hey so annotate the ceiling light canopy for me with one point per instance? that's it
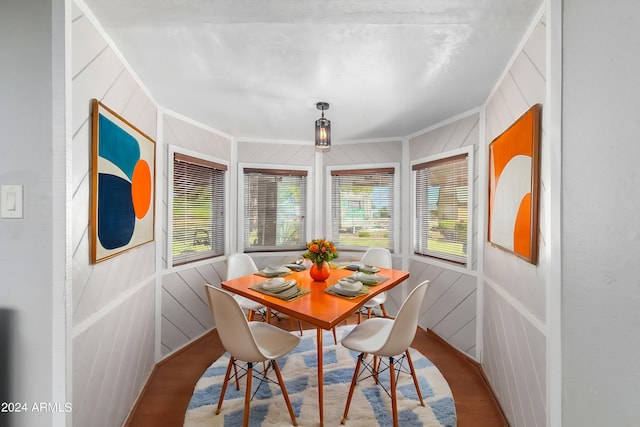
(323, 129)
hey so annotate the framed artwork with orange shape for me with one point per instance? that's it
(514, 187)
(122, 185)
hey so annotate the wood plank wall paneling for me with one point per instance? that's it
(517, 359)
(112, 360)
(451, 298)
(364, 153)
(184, 310)
(514, 352)
(113, 301)
(276, 154)
(195, 138)
(450, 303)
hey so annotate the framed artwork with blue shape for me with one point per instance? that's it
(122, 185)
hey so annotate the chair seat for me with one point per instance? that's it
(247, 303)
(272, 341)
(369, 336)
(377, 300)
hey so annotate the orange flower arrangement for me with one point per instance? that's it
(320, 250)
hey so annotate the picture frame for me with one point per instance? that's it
(122, 185)
(514, 186)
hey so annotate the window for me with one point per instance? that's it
(275, 205)
(197, 209)
(362, 208)
(442, 208)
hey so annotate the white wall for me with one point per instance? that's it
(514, 291)
(601, 201)
(450, 303)
(113, 302)
(184, 311)
(33, 274)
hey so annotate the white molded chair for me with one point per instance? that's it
(378, 257)
(249, 342)
(387, 338)
(239, 265)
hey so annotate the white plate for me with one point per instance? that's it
(277, 284)
(350, 284)
(369, 269)
(367, 278)
(343, 291)
(276, 269)
(290, 292)
(296, 267)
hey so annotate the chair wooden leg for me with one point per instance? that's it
(335, 339)
(224, 384)
(353, 386)
(247, 396)
(384, 312)
(268, 315)
(284, 393)
(376, 367)
(415, 379)
(299, 325)
(369, 310)
(394, 403)
(359, 316)
(250, 315)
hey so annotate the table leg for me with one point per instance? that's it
(320, 376)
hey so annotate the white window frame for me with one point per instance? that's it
(172, 149)
(468, 150)
(241, 207)
(396, 201)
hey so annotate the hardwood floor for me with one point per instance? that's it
(164, 400)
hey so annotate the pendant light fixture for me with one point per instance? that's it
(323, 129)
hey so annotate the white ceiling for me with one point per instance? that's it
(256, 68)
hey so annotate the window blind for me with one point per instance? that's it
(442, 208)
(275, 208)
(362, 208)
(198, 209)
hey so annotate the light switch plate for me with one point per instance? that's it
(11, 201)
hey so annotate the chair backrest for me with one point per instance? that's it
(379, 257)
(239, 265)
(232, 325)
(404, 326)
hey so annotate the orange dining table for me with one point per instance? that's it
(317, 307)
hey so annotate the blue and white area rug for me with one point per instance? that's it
(370, 406)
